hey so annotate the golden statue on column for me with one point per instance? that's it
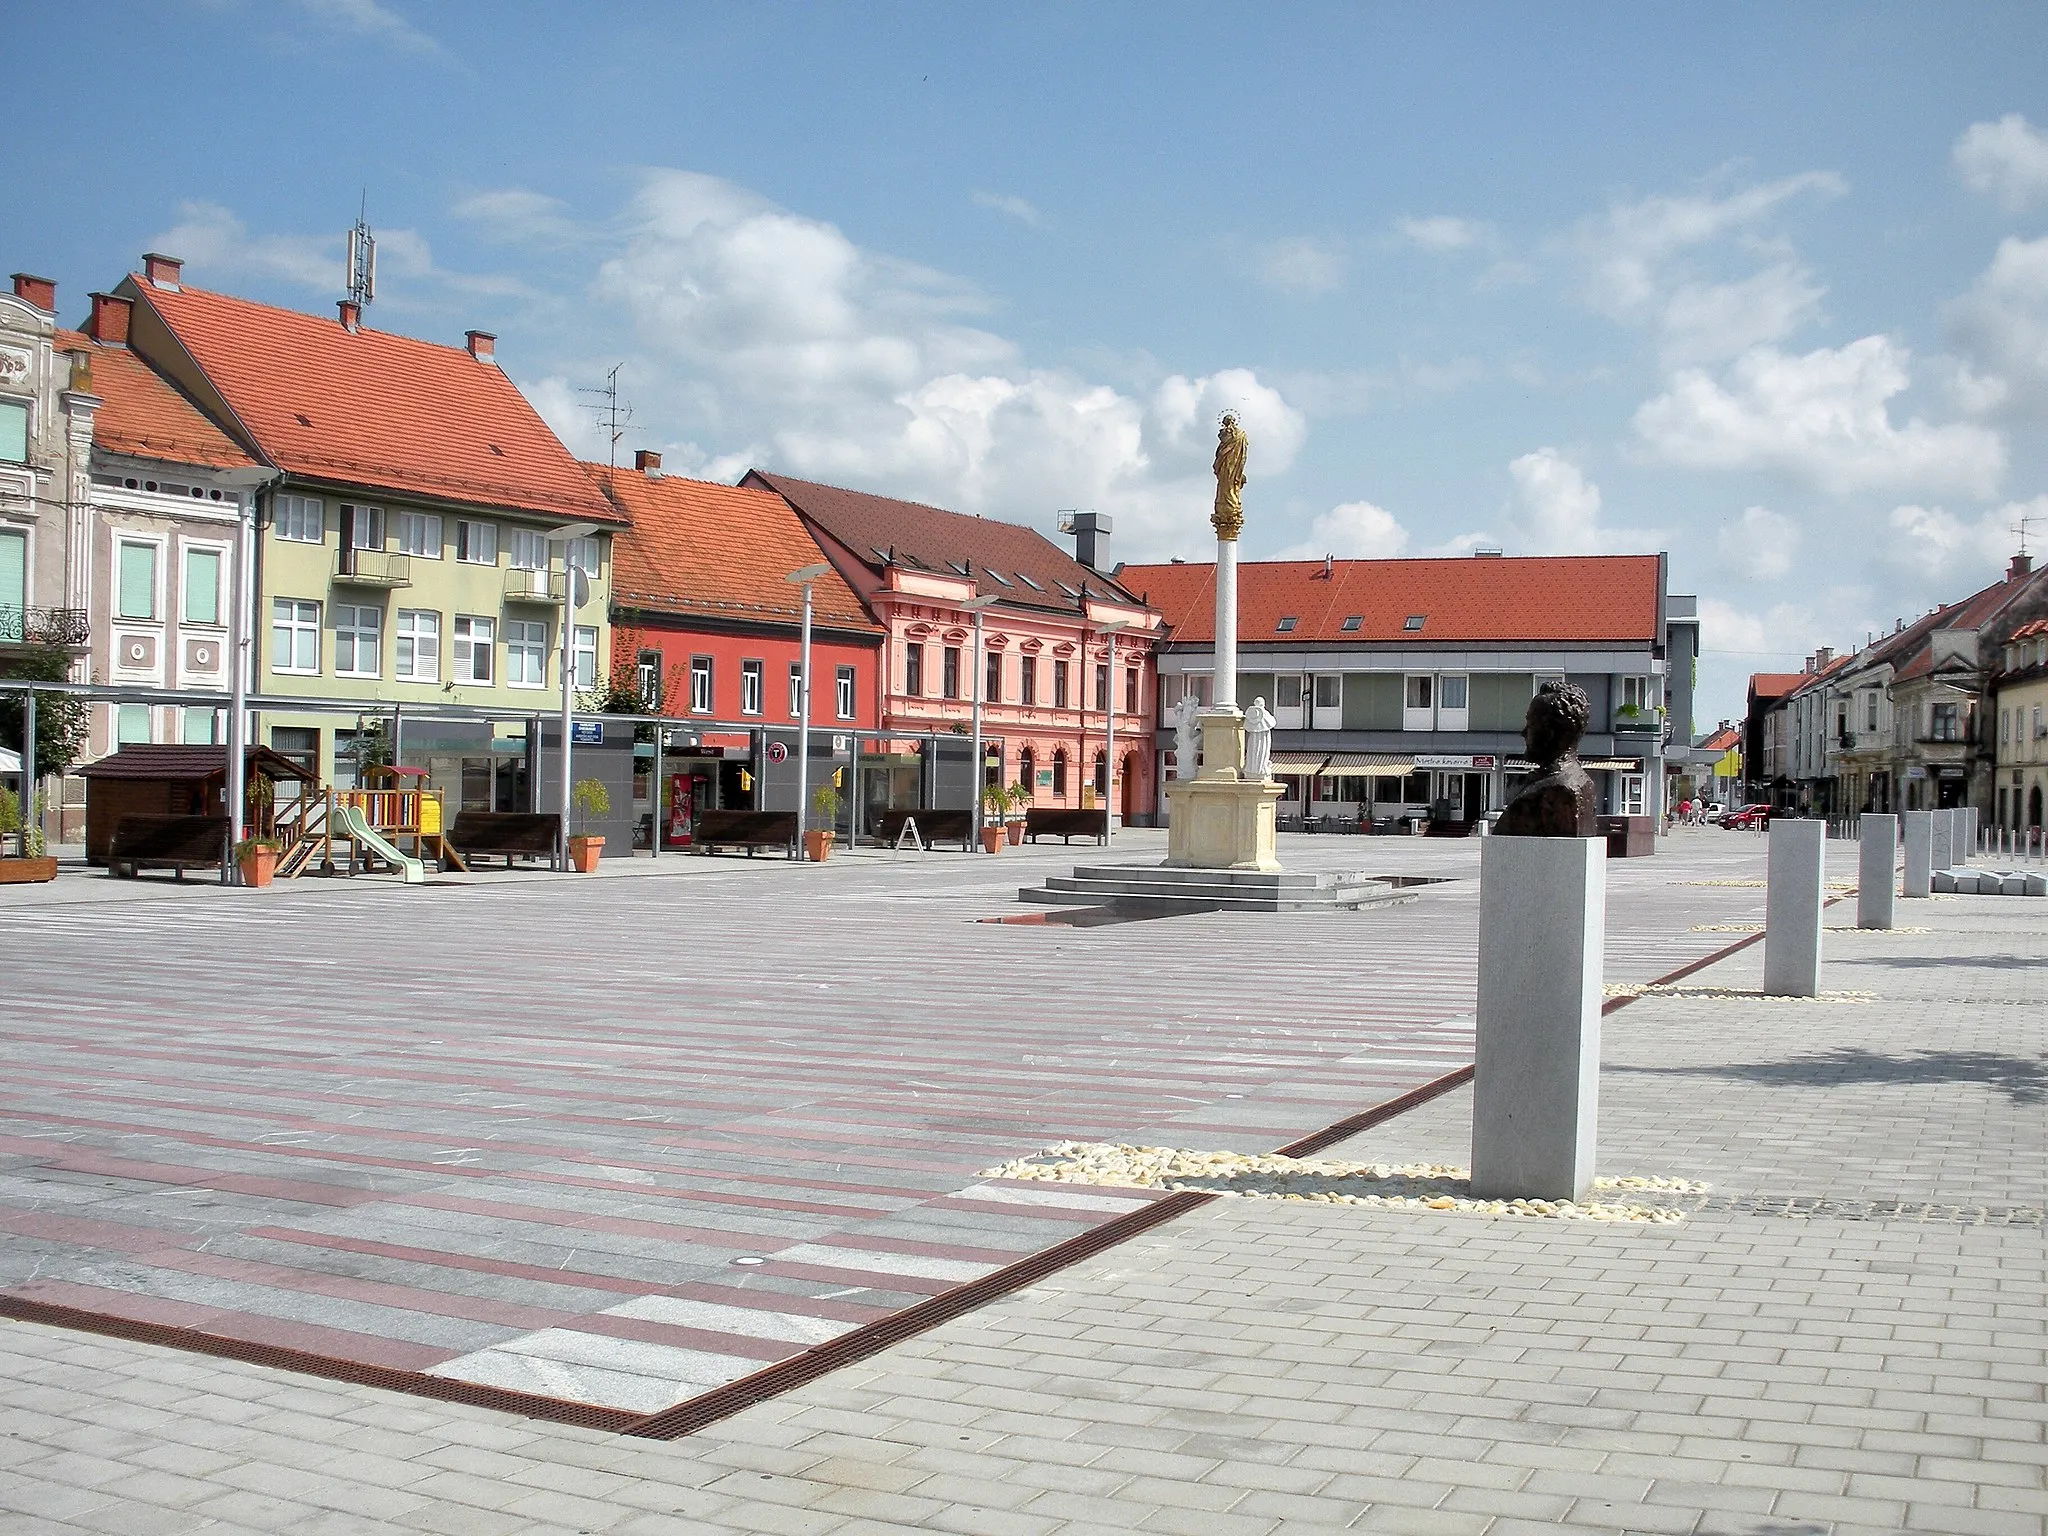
(1232, 448)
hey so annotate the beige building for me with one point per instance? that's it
(2020, 691)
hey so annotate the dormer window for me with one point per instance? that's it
(1414, 622)
(1286, 625)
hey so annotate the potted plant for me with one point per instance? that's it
(590, 798)
(33, 866)
(1019, 801)
(994, 801)
(256, 858)
(826, 803)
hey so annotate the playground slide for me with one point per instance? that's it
(353, 822)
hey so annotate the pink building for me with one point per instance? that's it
(1063, 645)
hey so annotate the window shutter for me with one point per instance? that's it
(138, 581)
(202, 586)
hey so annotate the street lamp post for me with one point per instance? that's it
(979, 606)
(1109, 735)
(804, 578)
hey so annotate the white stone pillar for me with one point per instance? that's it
(1966, 841)
(1792, 908)
(1944, 828)
(1876, 855)
(1226, 625)
(1536, 1088)
(1918, 832)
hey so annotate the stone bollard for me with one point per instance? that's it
(1966, 833)
(1918, 830)
(1536, 1085)
(1874, 862)
(1944, 828)
(1792, 907)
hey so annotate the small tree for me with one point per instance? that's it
(826, 804)
(1020, 796)
(11, 824)
(590, 798)
(63, 721)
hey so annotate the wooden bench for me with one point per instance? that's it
(176, 843)
(1051, 821)
(506, 835)
(932, 827)
(744, 829)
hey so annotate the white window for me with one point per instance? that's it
(583, 648)
(136, 572)
(365, 526)
(526, 653)
(1288, 690)
(357, 633)
(1327, 703)
(842, 693)
(476, 543)
(750, 688)
(301, 519)
(529, 550)
(700, 685)
(1635, 694)
(1452, 696)
(14, 431)
(294, 635)
(796, 690)
(584, 555)
(1418, 702)
(419, 533)
(1633, 801)
(131, 723)
(202, 586)
(419, 646)
(473, 643)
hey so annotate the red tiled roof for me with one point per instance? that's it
(144, 415)
(2030, 629)
(932, 539)
(717, 550)
(1723, 740)
(1775, 685)
(1552, 598)
(368, 408)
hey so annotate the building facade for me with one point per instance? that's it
(1400, 686)
(2020, 751)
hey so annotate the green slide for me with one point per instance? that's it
(353, 822)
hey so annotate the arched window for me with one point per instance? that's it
(2034, 806)
(1059, 771)
(1101, 772)
(1027, 768)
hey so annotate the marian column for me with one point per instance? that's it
(1232, 448)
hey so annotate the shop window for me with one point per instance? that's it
(131, 723)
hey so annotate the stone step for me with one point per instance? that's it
(1199, 884)
(1350, 898)
(1253, 880)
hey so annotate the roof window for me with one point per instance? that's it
(1070, 591)
(1286, 625)
(1415, 621)
(1354, 623)
(961, 567)
(999, 578)
(1034, 586)
(302, 418)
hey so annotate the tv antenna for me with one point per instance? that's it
(613, 414)
(2020, 528)
(362, 257)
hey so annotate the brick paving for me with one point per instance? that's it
(1261, 1367)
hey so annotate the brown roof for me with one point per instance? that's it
(1552, 598)
(719, 551)
(1005, 559)
(368, 408)
(144, 415)
(144, 760)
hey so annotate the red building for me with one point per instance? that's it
(707, 627)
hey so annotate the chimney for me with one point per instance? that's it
(162, 271)
(2021, 562)
(483, 345)
(39, 291)
(1091, 538)
(1822, 657)
(1486, 552)
(109, 321)
(351, 314)
(647, 461)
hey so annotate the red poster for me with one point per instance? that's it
(682, 797)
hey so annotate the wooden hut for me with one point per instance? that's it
(146, 779)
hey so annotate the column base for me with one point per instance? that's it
(1223, 824)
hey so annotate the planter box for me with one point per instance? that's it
(27, 871)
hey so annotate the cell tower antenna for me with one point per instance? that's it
(362, 257)
(613, 414)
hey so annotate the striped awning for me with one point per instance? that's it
(1383, 763)
(1613, 765)
(1298, 762)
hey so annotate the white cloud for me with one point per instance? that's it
(1356, 530)
(2007, 161)
(514, 213)
(1821, 419)
(1011, 206)
(1302, 266)
(1708, 322)
(216, 243)
(1957, 553)
(1443, 233)
(1759, 545)
(367, 19)
(2000, 330)
(1560, 507)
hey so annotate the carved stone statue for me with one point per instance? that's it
(1258, 742)
(1185, 738)
(1559, 801)
(1232, 447)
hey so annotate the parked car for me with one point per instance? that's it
(1749, 818)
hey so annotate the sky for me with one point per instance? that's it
(1763, 286)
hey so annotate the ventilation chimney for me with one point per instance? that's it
(1329, 567)
(647, 461)
(351, 314)
(1091, 537)
(162, 271)
(1486, 552)
(39, 291)
(483, 345)
(2022, 562)
(109, 320)
(1822, 657)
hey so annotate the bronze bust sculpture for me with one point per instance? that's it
(1559, 801)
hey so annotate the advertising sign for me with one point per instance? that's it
(1482, 761)
(682, 800)
(586, 733)
(777, 752)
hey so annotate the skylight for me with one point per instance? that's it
(1286, 624)
(999, 578)
(961, 567)
(1034, 586)
(1354, 623)
(1071, 592)
(1415, 621)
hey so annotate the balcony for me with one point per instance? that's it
(67, 628)
(1640, 723)
(522, 586)
(372, 568)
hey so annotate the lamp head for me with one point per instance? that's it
(808, 574)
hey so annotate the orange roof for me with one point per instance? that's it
(1723, 740)
(718, 551)
(367, 408)
(144, 416)
(2030, 629)
(1555, 599)
(1775, 685)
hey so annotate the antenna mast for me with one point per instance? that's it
(613, 414)
(2020, 528)
(362, 257)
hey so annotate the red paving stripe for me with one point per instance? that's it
(84, 1232)
(745, 1346)
(873, 1280)
(76, 1159)
(248, 1327)
(376, 1293)
(566, 1220)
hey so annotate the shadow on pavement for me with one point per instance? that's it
(2020, 1079)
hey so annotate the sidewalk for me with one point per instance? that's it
(1257, 1367)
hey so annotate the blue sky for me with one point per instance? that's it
(1764, 286)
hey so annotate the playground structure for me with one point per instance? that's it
(369, 826)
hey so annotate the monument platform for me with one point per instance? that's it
(1227, 890)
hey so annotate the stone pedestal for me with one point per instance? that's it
(1943, 824)
(1792, 908)
(1877, 854)
(1218, 819)
(1917, 828)
(1536, 1087)
(1966, 834)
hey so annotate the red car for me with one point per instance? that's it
(1749, 818)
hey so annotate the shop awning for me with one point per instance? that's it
(1298, 762)
(1381, 764)
(1613, 765)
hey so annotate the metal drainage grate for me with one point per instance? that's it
(1829, 1208)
